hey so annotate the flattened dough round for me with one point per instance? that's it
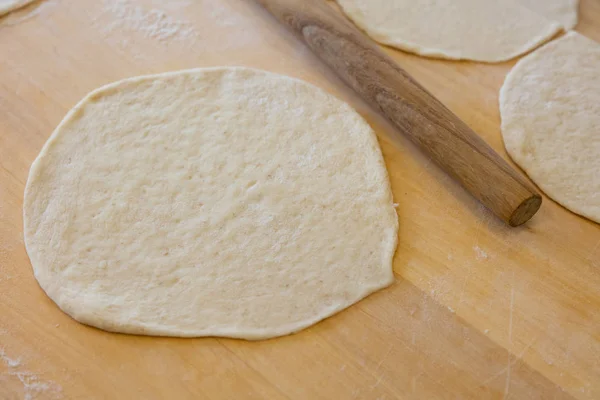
(210, 202)
(550, 109)
(561, 11)
(480, 30)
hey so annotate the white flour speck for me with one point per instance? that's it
(480, 254)
(33, 386)
(11, 362)
(220, 13)
(153, 23)
(240, 31)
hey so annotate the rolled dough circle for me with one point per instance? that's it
(210, 202)
(550, 110)
(479, 30)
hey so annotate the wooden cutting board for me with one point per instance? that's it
(478, 310)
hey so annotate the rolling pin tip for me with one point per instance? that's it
(525, 210)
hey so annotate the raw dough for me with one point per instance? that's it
(562, 11)
(210, 202)
(7, 6)
(480, 30)
(550, 109)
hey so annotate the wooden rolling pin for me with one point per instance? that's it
(359, 62)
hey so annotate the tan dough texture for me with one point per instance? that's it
(480, 30)
(561, 11)
(7, 6)
(550, 109)
(210, 202)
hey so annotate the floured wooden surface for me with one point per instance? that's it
(478, 310)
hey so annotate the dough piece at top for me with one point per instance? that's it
(479, 30)
(550, 109)
(561, 11)
(7, 6)
(210, 202)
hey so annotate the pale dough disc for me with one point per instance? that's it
(561, 11)
(7, 6)
(550, 109)
(480, 30)
(210, 202)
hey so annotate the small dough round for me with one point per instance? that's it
(561, 11)
(479, 30)
(7, 6)
(210, 202)
(550, 109)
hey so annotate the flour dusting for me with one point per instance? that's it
(221, 14)
(153, 23)
(32, 386)
(480, 254)
(11, 362)
(123, 21)
(238, 31)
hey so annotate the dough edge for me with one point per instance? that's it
(12, 6)
(354, 15)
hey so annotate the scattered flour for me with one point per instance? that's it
(238, 30)
(11, 362)
(153, 23)
(220, 13)
(480, 254)
(174, 5)
(32, 386)
(121, 21)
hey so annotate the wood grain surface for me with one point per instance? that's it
(382, 83)
(478, 310)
